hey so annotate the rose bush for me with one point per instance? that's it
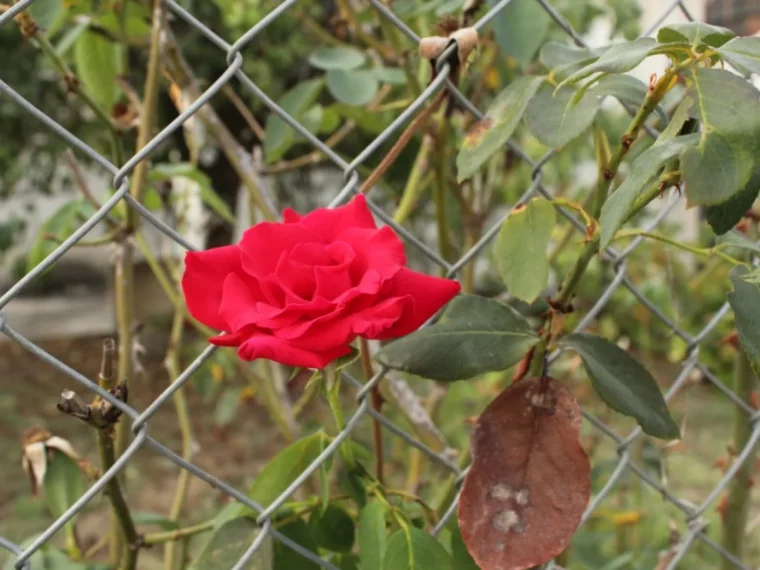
(299, 292)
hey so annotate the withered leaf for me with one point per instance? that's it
(529, 483)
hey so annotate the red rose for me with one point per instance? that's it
(299, 292)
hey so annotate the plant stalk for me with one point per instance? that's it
(180, 533)
(123, 536)
(377, 404)
(148, 118)
(738, 505)
(173, 367)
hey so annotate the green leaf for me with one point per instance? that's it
(722, 164)
(355, 88)
(278, 135)
(491, 134)
(745, 302)
(330, 120)
(228, 544)
(146, 518)
(70, 37)
(520, 28)
(619, 58)
(333, 529)
(137, 22)
(626, 89)
(724, 102)
(742, 53)
(563, 59)
(695, 34)
(285, 468)
(392, 75)
(475, 335)
(462, 558)
(624, 384)
(521, 249)
(556, 119)
(413, 549)
(312, 120)
(737, 239)
(352, 483)
(209, 197)
(348, 562)
(372, 536)
(97, 64)
(342, 57)
(723, 217)
(287, 559)
(227, 407)
(373, 123)
(46, 12)
(63, 484)
(677, 121)
(715, 170)
(60, 225)
(642, 171)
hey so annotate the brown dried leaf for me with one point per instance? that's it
(529, 483)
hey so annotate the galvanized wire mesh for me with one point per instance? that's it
(140, 420)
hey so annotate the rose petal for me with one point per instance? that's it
(371, 323)
(205, 272)
(381, 251)
(240, 307)
(341, 326)
(428, 293)
(262, 245)
(290, 216)
(272, 348)
(331, 223)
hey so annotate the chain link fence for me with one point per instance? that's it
(140, 420)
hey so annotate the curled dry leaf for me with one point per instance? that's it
(529, 483)
(465, 38)
(34, 454)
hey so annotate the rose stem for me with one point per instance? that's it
(604, 182)
(123, 545)
(377, 404)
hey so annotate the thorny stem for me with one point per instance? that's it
(123, 545)
(604, 182)
(147, 120)
(377, 404)
(602, 150)
(173, 366)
